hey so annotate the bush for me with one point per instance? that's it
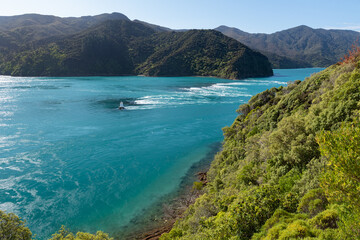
(313, 202)
(198, 186)
(296, 230)
(13, 228)
(341, 182)
(325, 219)
(64, 234)
(248, 174)
(291, 145)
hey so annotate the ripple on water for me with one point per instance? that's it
(67, 157)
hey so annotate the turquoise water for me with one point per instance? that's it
(69, 157)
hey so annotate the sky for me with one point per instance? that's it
(255, 16)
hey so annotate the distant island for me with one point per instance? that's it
(112, 45)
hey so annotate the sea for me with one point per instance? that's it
(69, 156)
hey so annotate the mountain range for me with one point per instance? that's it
(297, 47)
(300, 46)
(111, 44)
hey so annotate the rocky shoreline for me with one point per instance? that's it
(160, 218)
(172, 212)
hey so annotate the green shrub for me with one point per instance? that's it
(64, 234)
(198, 186)
(13, 228)
(296, 230)
(248, 174)
(341, 181)
(313, 202)
(326, 219)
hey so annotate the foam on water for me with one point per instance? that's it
(193, 95)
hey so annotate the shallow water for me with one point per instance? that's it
(69, 157)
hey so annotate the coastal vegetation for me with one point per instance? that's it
(13, 228)
(289, 166)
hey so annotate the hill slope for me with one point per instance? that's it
(122, 47)
(30, 27)
(100, 50)
(271, 181)
(201, 53)
(300, 46)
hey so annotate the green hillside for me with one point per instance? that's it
(201, 53)
(25, 28)
(289, 166)
(122, 47)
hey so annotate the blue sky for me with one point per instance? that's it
(249, 15)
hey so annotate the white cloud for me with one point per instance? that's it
(349, 27)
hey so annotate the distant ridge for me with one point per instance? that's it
(30, 27)
(157, 28)
(31, 19)
(301, 46)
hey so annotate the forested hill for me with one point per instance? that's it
(123, 47)
(201, 53)
(22, 29)
(300, 46)
(297, 47)
(290, 165)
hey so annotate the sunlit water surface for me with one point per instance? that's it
(69, 157)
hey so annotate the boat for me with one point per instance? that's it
(121, 106)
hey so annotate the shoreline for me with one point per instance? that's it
(133, 75)
(159, 218)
